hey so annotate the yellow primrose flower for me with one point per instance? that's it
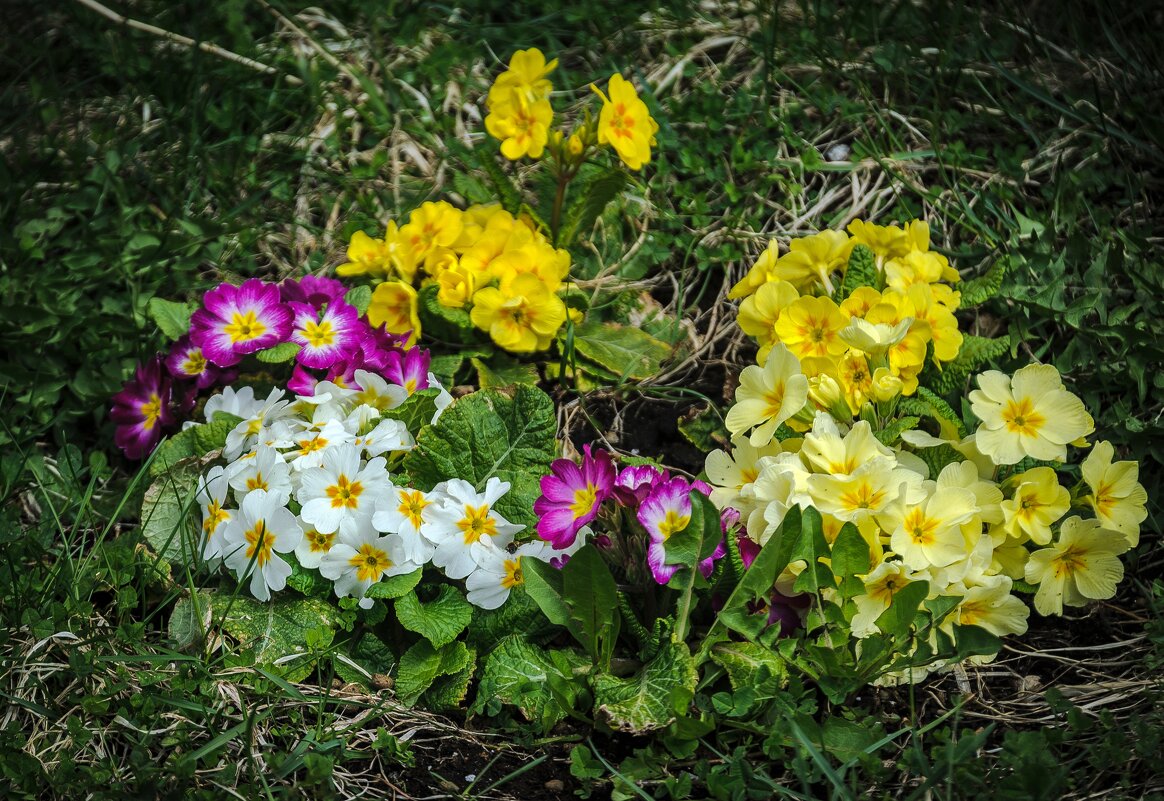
(886, 386)
(1038, 502)
(881, 585)
(433, 225)
(943, 324)
(987, 495)
(1030, 414)
(886, 242)
(760, 273)
(866, 492)
(1118, 498)
(457, 286)
(760, 311)
(538, 258)
(874, 339)
(525, 76)
(856, 380)
(522, 126)
(728, 472)
(824, 450)
(992, 607)
(625, 123)
(817, 257)
(523, 317)
(811, 326)
(366, 256)
(394, 307)
(860, 301)
(929, 534)
(1082, 565)
(767, 396)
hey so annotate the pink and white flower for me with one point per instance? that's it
(235, 321)
(666, 511)
(187, 362)
(325, 337)
(571, 496)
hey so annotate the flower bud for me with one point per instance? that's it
(886, 386)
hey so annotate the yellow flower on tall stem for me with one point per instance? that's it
(625, 123)
(394, 307)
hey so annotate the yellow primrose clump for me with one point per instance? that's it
(523, 317)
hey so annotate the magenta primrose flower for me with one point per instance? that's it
(237, 320)
(142, 410)
(571, 496)
(187, 362)
(325, 337)
(409, 369)
(315, 290)
(635, 482)
(665, 511)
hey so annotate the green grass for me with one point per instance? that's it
(133, 168)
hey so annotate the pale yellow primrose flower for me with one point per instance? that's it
(767, 396)
(1038, 502)
(826, 451)
(992, 607)
(1030, 414)
(930, 533)
(1118, 498)
(874, 338)
(1081, 566)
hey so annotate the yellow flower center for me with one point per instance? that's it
(244, 327)
(412, 505)
(1104, 500)
(584, 500)
(215, 515)
(257, 482)
(513, 575)
(195, 363)
(477, 524)
(775, 400)
(1022, 419)
(320, 542)
(319, 335)
(1069, 562)
(259, 543)
(345, 493)
(370, 562)
(311, 445)
(673, 523)
(863, 496)
(920, 528)
(151, 410)
(884, 590)
(621, 122)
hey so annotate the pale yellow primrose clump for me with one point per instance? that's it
(1030, 414)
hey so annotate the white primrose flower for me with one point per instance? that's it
(309, 445)
(389, 436)
(407, 512)
(464, 524)
(249, 432)
(442, 400)
(498, 572)
(339, 491)
(241, 403)
(315, 545)
(262, 528)
(377, 392)
(362, 557)
(212, 492)
(262, 469)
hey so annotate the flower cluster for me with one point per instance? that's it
(330, 340)
(641, 507)
(305, 481)
(520, 116)
(972, 527)
(483, 260)
(868, 347)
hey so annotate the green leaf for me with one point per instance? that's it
(974, 354)
(589, 201)
(189, 622)
(395, 586)
(518, 613)
(974, 641)
(417, 410)
(360, 297)
(978, 290)
(371, 656)
(850, 553)
(752, 666)
(898, 618)
(543, 584)
(422, 664)
(442, 322)
(652, 699)
(445, 367)
(277, 628)
(927, 404)
(283, 352)
(889, 435)
(447, 694)
(591, 595)
(196, 441)
(440, 620)
(504, 371)
(507, 192)
(860, 271)
(540, 683)
(488, 433)
(624, 350)
(169, 513)
(308, 582)
(810, 548)
(703, 427)
(172, 319)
